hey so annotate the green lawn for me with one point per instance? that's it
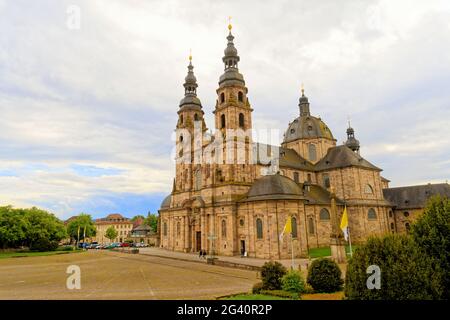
(4, 255)
(253, 297)
(326, 251)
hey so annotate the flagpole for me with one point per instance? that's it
(350, 242)
(292, 253)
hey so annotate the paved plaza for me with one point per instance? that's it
(112, 275)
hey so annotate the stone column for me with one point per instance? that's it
(337, 243)
(234, 237)
(204, 236)
(186, 234)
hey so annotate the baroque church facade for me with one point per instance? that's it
(241, 206)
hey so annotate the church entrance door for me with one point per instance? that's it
(198, 241)
(242, 247)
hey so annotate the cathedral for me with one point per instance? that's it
(233, 196)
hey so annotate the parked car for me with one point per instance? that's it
(113, 245)
(125, 244)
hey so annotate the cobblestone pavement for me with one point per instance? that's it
(111, 275)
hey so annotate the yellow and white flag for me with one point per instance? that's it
(344, 223)
(287, 227)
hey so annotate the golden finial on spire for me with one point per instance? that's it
(303, 90)
(190, 54)
(229, 24)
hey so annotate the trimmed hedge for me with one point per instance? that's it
(293, 282)
(257, 287)
(406, 273)
(324, 275)
(431, 232)
(271, 274)
(281, 294)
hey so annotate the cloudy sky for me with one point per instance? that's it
(87, 110)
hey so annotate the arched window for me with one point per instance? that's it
(296, 179)
(259, 229)
(222, 121)
(371, 214)
(222, 97)
(392, 226)
(181, 118)
(224, 228)
(195, 117)
(294, 227)
(241, 120)
(240, 96)
(311, 225)
(178, 228)
(324, 214)
(181, 138)
(312, 152)
(165, 229)
(326, 180)
(407, 226)
(390, 213)
(309, 177)
(368, 189)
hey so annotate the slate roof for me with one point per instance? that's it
(166, 202)
(143, 227)
(415, 197)
(341, 157)
(287, 157)
(278, 187)
(274, 187)
(305, 127)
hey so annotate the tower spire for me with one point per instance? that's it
(351, 142)
(190, 86)
(190, 82)
(303, 103)
(231, 57)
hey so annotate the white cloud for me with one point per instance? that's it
(107, 95)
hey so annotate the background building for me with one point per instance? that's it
(122, 225)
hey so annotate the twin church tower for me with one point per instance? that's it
(228, 199)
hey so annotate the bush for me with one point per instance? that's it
(44, 244)
(406, 273)
(271, 273)
(324, 275)
(257, 288)
(431, 232)
(293, 282)
(281, 294)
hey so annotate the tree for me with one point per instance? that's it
(111, 233)
(152, 221)
(431, 232)
(42, 227)
(139, 216)
(35, 228)
(81, 221)
(406, 273)
(13, 227)
(324, 275)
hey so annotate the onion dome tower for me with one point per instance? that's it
(351, 142)
(308, 135)
(233, 109)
